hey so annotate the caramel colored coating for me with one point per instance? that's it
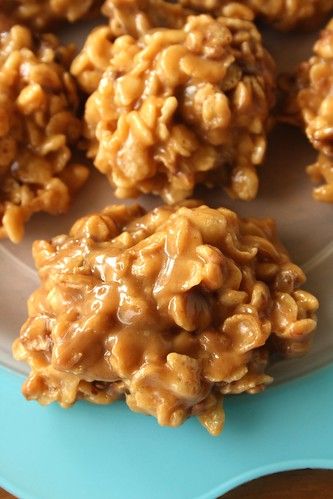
(178, 107)
(38, 127)
(41, 14)
(314, 101)
(172, 310)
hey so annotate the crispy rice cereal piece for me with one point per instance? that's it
(179, 107)
(38, 127)
(313, 100)
(136, 16)
(40, 14)
(171, 309)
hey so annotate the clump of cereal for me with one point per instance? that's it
(40, 14)
(172, 310)
(178, 107)
(38, 127)
(314, 101)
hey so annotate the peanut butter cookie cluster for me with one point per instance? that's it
(178, 107)
(314, 102)
(38, 128)
(171, 310)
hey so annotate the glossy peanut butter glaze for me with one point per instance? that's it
(171, 310)
(178, 107)
(38, 129)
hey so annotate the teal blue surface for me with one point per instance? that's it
(109, 452)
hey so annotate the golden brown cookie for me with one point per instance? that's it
(311, 98)
(38, 128)
(176, 108)
(172, 310)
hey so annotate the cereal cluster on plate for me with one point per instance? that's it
(175, 308)
(39, 127)
(171, 310)
(314, 102)
(175, 108)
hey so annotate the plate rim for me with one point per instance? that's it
(228, 486)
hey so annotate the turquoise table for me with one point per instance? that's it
(91, 452)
